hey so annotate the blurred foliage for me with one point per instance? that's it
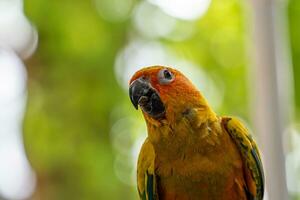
(294, 16)
(73, 90)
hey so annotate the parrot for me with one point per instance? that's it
(190, 152)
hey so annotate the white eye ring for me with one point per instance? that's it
(165, 76)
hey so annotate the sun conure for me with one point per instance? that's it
(190, 152)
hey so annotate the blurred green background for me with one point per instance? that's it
(81, 133)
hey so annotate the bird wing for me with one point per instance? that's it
(146, 177)
(253, 170)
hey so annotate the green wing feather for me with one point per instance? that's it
(145, 172)
(249, 152)
(149, 192)
(150, 186)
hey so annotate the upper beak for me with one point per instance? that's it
(138, 89)
(142, 93)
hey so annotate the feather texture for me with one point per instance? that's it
(190, 152)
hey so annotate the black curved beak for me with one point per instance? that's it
(142, 93)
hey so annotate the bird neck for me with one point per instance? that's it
(192, 128)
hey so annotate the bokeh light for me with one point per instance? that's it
(16, 31)
(188, 9)
(124, 136)
(12, 75)
(18, 39)
(141, 53)
(151, 21)
(182, 31)
(17, 180)
(137, 54)
(292, 147)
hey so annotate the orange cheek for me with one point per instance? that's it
(154, 81)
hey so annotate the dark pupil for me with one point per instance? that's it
(167, 74)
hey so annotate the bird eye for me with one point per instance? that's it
(165, 76)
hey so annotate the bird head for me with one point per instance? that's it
(163, 94)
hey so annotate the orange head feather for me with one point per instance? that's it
(163, 94)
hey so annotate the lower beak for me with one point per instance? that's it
(142, 93)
